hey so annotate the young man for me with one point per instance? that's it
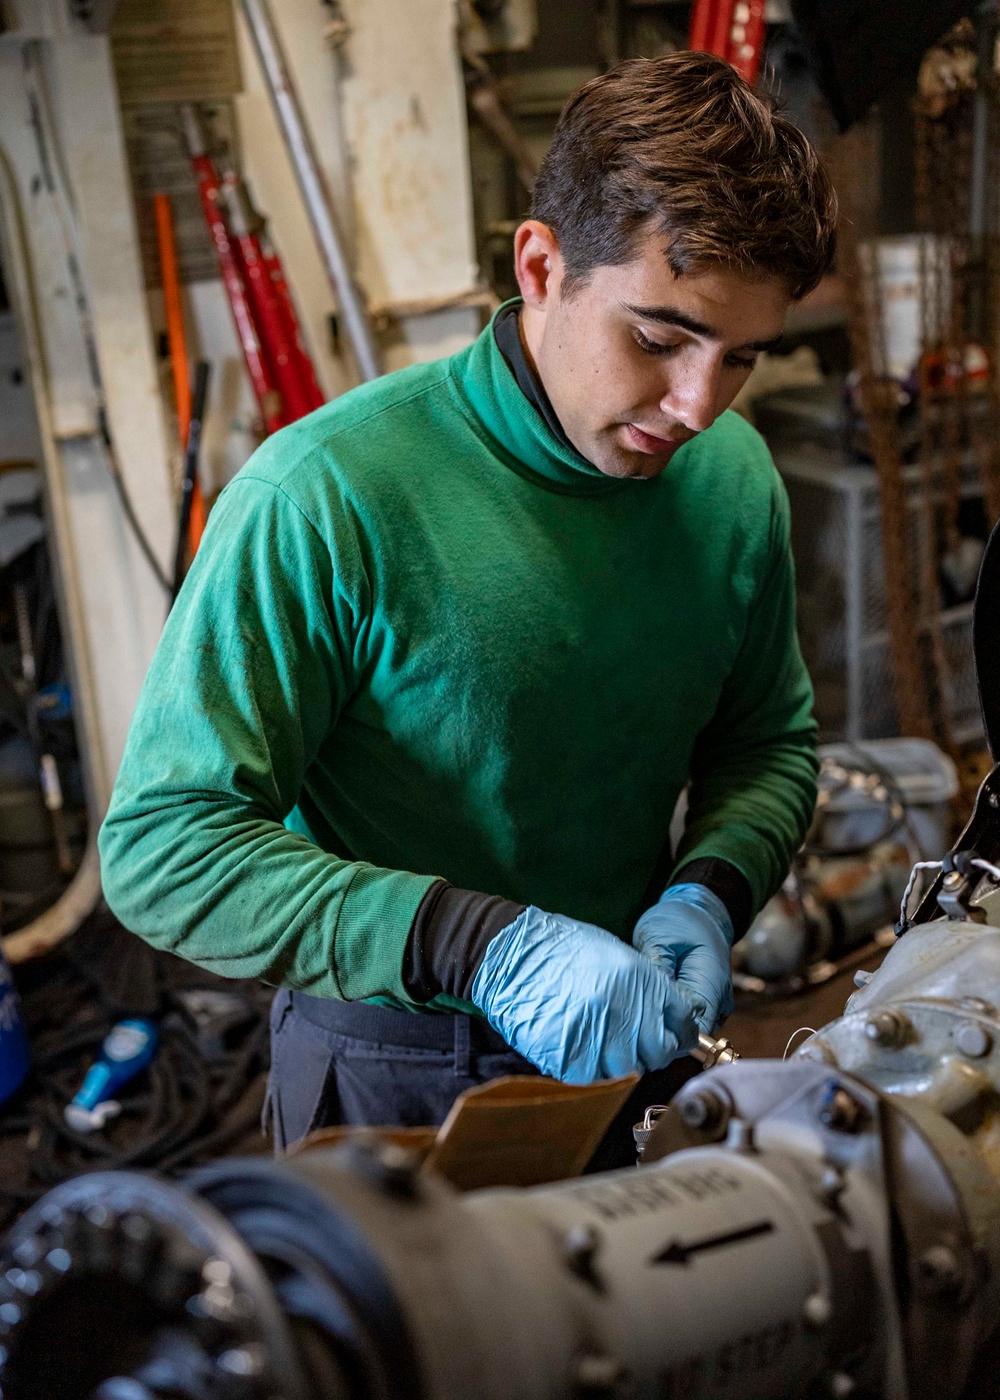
(455, 643)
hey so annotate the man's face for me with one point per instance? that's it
(637, 361)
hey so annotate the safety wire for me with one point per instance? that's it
(977, 862)
(57, 186)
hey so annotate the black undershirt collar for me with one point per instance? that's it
(507, 334)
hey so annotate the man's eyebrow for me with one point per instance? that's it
(671, 316)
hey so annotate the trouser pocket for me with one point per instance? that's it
(302, 1081)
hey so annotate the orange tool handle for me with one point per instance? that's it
(177, 343)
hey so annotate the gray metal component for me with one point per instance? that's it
(826, 1225)
(315, 192)
(779, 1110)
(714, 1050)
(924, 1033)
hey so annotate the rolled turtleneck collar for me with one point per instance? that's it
(508, 398)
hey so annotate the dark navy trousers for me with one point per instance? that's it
(352, 1063)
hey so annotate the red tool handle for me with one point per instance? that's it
(732, 29)
(746, 39)
(262, 376)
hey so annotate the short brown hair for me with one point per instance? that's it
(683, 145)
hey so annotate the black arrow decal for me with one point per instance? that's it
(677, 1253)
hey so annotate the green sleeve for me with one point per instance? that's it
(249, 676)
(753, 770)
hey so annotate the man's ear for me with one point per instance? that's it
(538, 264)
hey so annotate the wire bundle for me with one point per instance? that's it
(203, 1091)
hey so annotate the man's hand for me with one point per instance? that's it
(578, 1002)
(689, 933)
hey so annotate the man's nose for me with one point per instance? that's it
(691, 398)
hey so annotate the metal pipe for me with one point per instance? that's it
(318, 202)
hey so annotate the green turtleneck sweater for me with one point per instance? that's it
(423, 638)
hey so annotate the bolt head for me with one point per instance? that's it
(952, 880)
(701, 1110)
(887, 1028)
(839, 1110)
(817, 1310)
(973, 1039)
(938, 1271)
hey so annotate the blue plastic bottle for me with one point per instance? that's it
(128, 1048)
(15, 1052)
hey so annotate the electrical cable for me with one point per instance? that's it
(192, 1101)
(54, 181)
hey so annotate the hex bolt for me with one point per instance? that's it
(702, 1111)
(973, 1039)
(952, 880)
(817, 1310)
(840, 1111)
(888, 1029)
(938, 1270)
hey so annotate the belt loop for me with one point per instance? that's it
(463, 1047)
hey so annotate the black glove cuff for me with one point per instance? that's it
(724, 880)
(449, 937)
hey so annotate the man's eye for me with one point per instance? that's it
(653, 347)
(741, 361)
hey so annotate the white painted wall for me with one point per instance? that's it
(115, 607)
(388, 120)
(406, 129)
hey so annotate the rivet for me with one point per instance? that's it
(973, 1039)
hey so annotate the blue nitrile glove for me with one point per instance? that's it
(578, 1002)
(689, 932)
